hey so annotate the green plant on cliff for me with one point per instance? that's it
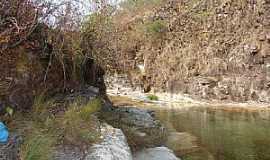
(152, 97)
(154, 29)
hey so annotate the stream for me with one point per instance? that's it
(215, 133)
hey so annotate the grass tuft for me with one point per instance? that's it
(78, 124)
(44, 131)
(38, 146)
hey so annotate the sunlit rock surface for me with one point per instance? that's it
(113, 147)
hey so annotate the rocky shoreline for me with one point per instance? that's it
(120, 85)
(135, 140)
(140, 137)
(123, 130)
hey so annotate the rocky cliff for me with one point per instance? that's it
(211, 49)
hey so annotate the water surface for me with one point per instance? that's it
(201, 133)
(212, 132)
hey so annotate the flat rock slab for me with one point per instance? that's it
(158, 153)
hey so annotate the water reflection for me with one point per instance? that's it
(219, 134)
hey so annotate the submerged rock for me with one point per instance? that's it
(158, 153)
(140, 118)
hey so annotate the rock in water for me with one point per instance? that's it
(113, 147)
(158, 153)
(140, 126)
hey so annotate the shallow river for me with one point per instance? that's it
(213, 133)
(200, 133)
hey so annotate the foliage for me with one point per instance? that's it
(97, 34)
(48, 31)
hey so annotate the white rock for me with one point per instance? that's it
(113, 147)
(158, 153)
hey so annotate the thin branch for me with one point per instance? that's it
(34, 26)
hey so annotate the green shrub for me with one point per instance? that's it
(152, 97)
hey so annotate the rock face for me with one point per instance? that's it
(113, 146)
(158, 153)
(139, 125)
